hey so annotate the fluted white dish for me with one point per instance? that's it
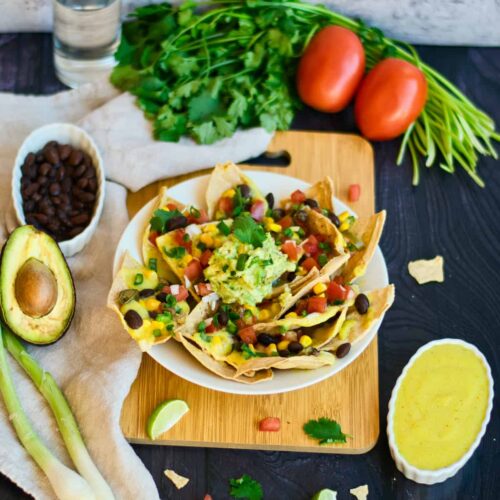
(425, 476)
(63, 133)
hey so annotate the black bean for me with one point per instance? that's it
(45, 168)
(162, 296)
(311, 203)
(133, 319)
(30, 219)
(41, 218)
(49, 210)
(64, 151)
(55, 189)
(152, 314)
(31, 189)
(267, 339)
(55, 200)
(82, 183)
(61, 172)
(29, 205)
(147, 292)
(270, 200)
(28, 161)
(80, 219)
(90, 172)
(92, 186)
(278, 213)
(362, 303)
(222, 318)
(65, 199)
(51, 155)
(175, 222)
(36, 197)
(290, 277)
(78, 171)
(334, 219)
(89, 197)
(75, 231)
(343, 350)
(300, 216)
(295, 347)
(66, 185)
(244, 190)
(42, 180)
(87, 160)
(75, 158)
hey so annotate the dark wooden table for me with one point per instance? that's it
(446, 214)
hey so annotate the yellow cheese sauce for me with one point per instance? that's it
(440, 406)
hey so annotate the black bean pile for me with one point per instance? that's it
(59, 190)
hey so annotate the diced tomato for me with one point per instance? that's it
(270, 424)
(354, 192)
(207, 497)
(211, 328)
(316, 304)
(248, 335)
(298, 196)
(193, 270)
(182, 294)
(290, 248)
(226, 205)
(172, 206)
(152, 237)
(309, 263)
(336, 292)
(179, 238)
(166, 289)
(203, 289)
(339, 279)
(198, 220)
(257, 210)
(205, 257)
(286, 222)
(310, 246)
(300, 306)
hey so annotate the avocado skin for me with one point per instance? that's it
(5, 318)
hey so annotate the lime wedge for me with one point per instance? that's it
(165, 416)
(325, 494)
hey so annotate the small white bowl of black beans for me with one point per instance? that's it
(58, 184)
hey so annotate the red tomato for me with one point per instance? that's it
(389, 99)
(198, 220)
(203, 289)
(316, 304)
(310, 246)
(172, 206)
(248, 335)
(205, 257)
(309, 263)
(270, 424)
(226, 205)
(257, 210)
(336, 291)
(354, 192)
(290, 248)
(193, 270)
(285, 222)
(298, 196)
(210, 328)
(152, 237)
(182, 295)
(330, 69)
(207, 497)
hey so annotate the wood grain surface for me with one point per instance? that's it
(350, 397)
(445, 214)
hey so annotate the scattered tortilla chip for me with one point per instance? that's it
(361, 492)
(179, 481)
(322, 192)
(425, 271)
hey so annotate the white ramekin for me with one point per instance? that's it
(64, 133)
(439, 475)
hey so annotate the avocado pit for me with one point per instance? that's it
(35, 288)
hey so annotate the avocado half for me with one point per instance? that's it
(37, 295)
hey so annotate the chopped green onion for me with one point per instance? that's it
(322, 259)
(202, 326)
(170, 300)
(288, 232)
(139, 279)
(157, 332)
(153, 264)
(242, 260)
(231, 327)
(223, 228)
(165, 317)
(195, 212)
(175, 253)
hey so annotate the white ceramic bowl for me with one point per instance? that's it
(64, 133)
(424, 476)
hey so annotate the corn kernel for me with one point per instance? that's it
(275, 308)
(275, 228)
(211, 228)
(344, 226)
(268, 220)
(271, 350)
(283, 345)
(152, 304)
(207, 240)
(264, 314)
(305, 340)
(215, 340)
(229, 193)
(319, 288)
(187, 259)
(343, 216)
(218, 242)
(291, 315)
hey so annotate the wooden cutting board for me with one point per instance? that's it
(230, 421)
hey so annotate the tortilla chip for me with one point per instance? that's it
(293, 362)
(150, 251)
(425, 271)
(223, 369)
(322, 192)
(295, 285)
(368, 230)
(118, 285)
(223, 177)
(361, 492)
(178, 480)
(319, 224)
(380, 301)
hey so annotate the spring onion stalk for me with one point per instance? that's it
(63, 415)
(67, 484)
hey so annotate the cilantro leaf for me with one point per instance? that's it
(248, 231)
(327, 431)
(246, 487)
(161, 217)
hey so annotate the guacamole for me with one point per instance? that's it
(239, 272)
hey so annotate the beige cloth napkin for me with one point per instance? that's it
(95, 362)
